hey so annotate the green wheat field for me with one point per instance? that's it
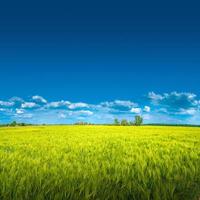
(99, 162)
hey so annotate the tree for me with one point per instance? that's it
(14, 123)
(124, 122)
(22, 124)
(138, 120)
(81, 123)
(116, 121)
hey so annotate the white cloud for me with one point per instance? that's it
(174, 102)
(136, 110)
(62, 116)
(19, 111)
(115, 103)
(147, 109)
(16, 99)
(6, 103)
(26, 116)
(74, 114)
(84, 112)
(190, 111)
(57, 104)
(125, 103)
(29, 105)
(162, 110)
(39, 99)
(78, 105)
(155, 97)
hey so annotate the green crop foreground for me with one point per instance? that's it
(99, 162)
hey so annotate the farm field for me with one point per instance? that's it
(99, 162)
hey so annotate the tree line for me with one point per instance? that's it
(124, 122)
(14, 123)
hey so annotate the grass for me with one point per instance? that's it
(99, 162)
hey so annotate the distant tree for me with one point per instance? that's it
(22, 124)
(81, 123)
(138, 120)
(116, 121)
(14, 123)
(124, 122)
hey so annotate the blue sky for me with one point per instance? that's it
(115, 57)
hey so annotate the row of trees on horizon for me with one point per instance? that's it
(124, 122)
(14, 123)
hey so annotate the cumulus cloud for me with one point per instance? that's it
(155, 97)
(190, 111)
(16, 99)
(58, 104)
(84, 112)
(119, 103)
(116, 107)
(175, 102)
(62, 116)
(136, 110)
(20, 111)
(29, 105)
(6, 103)
(39, 99)
(147, 109)
(26, 116)
(78, 105)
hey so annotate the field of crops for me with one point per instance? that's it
(99, 162)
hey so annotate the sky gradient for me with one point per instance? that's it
(96, 52)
